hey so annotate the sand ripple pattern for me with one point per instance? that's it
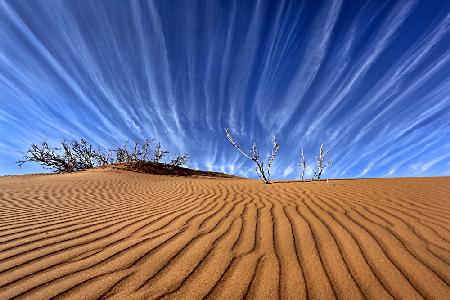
(122, 235)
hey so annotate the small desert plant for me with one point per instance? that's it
(321, 164)
(302, 165)
(122, 154)
(82, 153)
(74, 156)
(179, 160)
(255, 156)
(146, 147)
(68, 157)
(103, 158)
(50, 158)
(136, 154)
(159, 153)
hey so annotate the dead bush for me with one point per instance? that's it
(80, 155)
(255, 156)
(50, 157)
(180, 159)
(321, 164)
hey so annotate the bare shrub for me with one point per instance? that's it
(146, 147)
(255, 156)
(103, 158)
(80, 155)
(77, 155)
(136, 154)
(122, 154)
(321, 164)
(49, 158)
(127, 156)
(159, 153)
(302, 165)
(181, 159)
(68, 157)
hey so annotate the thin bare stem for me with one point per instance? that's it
(302, 165)
(273, 154)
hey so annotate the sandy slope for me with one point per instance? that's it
(120, 234)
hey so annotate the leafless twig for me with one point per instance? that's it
(302, 165)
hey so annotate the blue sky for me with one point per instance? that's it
(370, 79)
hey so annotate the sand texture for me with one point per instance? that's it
(110, 233)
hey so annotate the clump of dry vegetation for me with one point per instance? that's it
(262, 171)
(79, 155)
(321, 164)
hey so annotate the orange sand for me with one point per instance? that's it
(110, 233)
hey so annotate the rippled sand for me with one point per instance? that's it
(110, 233)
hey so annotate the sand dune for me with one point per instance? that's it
(110, 233)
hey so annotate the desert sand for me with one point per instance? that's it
(111, 233)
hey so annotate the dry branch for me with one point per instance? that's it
(302, 165)
(255, 156)
(321, 164)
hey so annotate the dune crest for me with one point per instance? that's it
(113, 233)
